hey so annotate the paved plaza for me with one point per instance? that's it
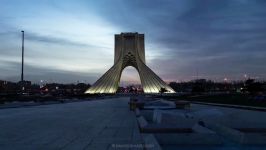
(99, 124)
(105, 124)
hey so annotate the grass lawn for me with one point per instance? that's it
(234, 99)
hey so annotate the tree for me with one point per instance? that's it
(162, 90)
(253, 87)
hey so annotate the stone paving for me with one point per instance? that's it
(99, 124)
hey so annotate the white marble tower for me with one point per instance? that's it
(129, 51)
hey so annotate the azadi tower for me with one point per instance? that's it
(129, 51)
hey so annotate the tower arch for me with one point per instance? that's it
(129, 76)
(129, 51)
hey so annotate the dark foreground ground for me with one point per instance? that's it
(101, 124)
(108, 123)
(224, 98)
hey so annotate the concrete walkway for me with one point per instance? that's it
(101, 124)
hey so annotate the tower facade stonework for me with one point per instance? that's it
(129, 51)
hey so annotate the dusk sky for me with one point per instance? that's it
(73, 40)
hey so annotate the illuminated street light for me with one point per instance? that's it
(225, 79)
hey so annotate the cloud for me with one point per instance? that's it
(53, 40)
(216, 37)
(220, 37)
(12, 71)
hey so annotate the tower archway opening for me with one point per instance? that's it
(130, 81)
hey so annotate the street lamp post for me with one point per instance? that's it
(22, 64)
